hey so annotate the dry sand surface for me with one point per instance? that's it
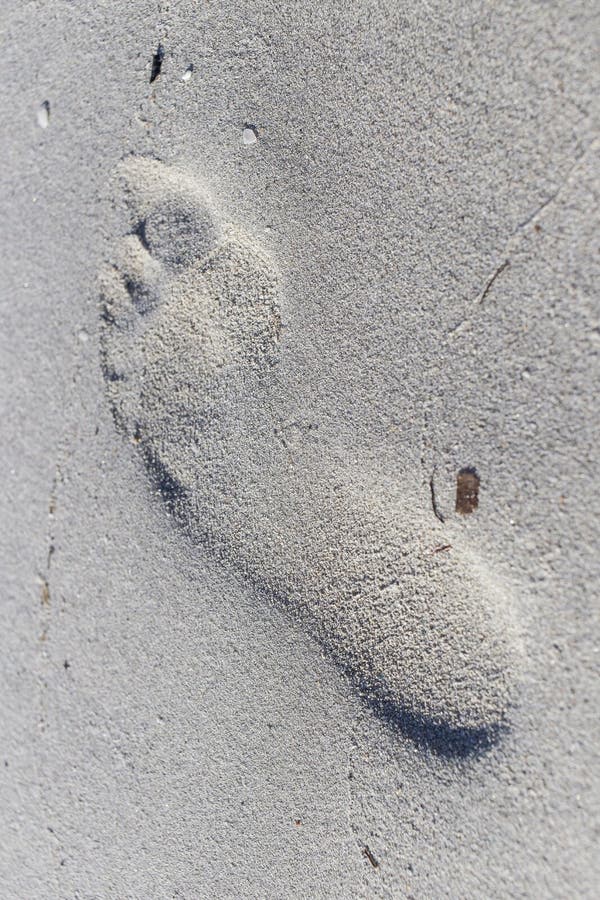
(300, 432)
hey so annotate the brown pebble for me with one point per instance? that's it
(467, 491)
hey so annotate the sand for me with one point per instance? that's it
(273, 278)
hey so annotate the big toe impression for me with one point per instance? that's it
(180, 231)
(170, 211)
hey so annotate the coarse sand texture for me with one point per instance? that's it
(192, 331)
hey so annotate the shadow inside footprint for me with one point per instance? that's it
(444, 740)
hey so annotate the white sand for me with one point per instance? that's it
(419, 208)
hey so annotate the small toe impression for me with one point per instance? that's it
(117, 309)
(142, 275)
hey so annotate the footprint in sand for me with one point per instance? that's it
(189, 341)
